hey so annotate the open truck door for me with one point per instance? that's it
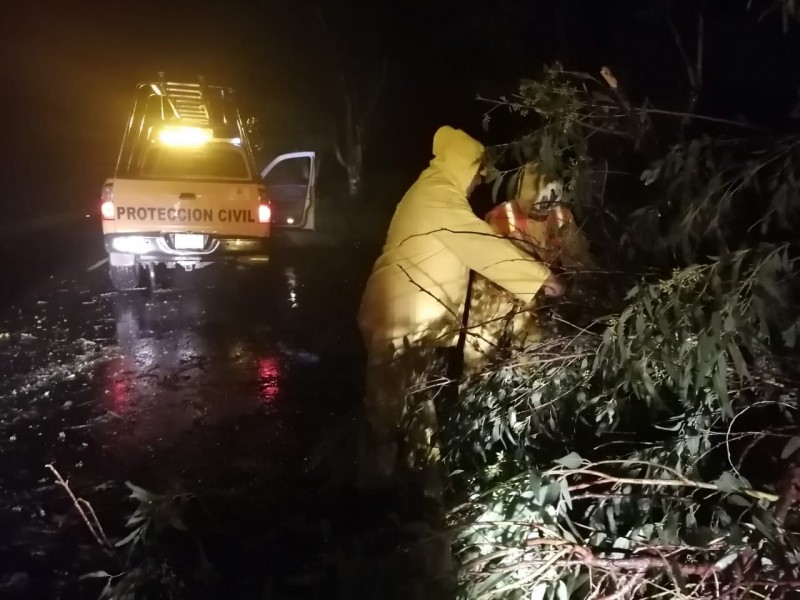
(290, 180)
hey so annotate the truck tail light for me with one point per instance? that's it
(107, 209)
(264, 211)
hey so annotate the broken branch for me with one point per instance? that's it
(93, 523)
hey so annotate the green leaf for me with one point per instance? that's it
(738, 361)
(791, 447)
(572, 460)
(738, 500)
(621, 543)
(648, 383)
(612, 521)
(716, 325)
(136, 518)
(640, 327)
(649, 176)
(578, 582)
(141, 494)
(663, 325)
(608, 336)
(565, 495)
(721, 386)
(729, 324)
(549, 494)
(632, 292)
(496, 431)
(763, 529)
(95, 575)
(130, 537)
(727, 560)
(727, 482)
(620, 331)
(674, 427)
(535, 482)
(540, 590)
(561, 591)
(512, 416)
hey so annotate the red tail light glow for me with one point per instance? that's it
(264, 211)
(107, 210)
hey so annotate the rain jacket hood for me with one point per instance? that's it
(457, 156)
(418, 286)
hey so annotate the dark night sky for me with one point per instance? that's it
(68, 69)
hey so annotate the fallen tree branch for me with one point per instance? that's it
(93, 523)
(629, 564)
(683, 482)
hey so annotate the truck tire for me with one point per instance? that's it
(124, 277)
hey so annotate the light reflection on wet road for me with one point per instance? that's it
(219, 385)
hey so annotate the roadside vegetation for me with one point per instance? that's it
(648, 447)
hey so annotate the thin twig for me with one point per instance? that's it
(672, 113)
(92, 524)
(451, 311)
(690, 71)
(429, 293)
(730, 430)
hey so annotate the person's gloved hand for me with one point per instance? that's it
(553, 287)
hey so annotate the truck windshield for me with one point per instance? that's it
(211, 161)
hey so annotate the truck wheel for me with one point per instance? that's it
(124, 277)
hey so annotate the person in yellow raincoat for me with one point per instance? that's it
(415, 296)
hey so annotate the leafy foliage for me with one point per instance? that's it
(647, 450)
(154, 514)
(143, 572)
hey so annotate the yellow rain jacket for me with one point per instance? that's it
(418, 285)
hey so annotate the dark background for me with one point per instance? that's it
(69, 70)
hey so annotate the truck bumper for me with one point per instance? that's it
(129, 248)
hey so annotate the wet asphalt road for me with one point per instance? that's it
(221, 387)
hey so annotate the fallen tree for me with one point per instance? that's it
(648, 447)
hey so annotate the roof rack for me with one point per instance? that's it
(195, 104)
(185, 99)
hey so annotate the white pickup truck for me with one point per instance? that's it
(186, 191)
